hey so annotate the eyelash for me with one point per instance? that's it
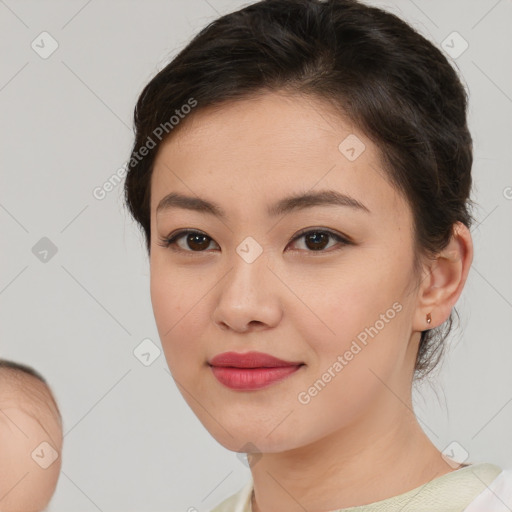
(170, 242)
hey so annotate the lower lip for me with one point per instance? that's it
(251, 378)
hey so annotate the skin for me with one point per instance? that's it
(357, 441)
(25, 423)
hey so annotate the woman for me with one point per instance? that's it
(301, 173)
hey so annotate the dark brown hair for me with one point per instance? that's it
(368, 65)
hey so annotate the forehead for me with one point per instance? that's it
(263, 148)
(19, 390)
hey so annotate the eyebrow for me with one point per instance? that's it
(283, 206)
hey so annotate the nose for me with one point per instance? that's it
(248, 297)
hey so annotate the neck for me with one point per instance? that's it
(375, 458)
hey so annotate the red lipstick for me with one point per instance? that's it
(250, 370)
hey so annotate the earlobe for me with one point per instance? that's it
(445, 280)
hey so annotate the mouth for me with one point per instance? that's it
(251, 370)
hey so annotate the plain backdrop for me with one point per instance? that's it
(74, 282)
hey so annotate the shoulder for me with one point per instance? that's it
(496, 497)
(238, 502)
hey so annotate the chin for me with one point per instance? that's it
(246, 438)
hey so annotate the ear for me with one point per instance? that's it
(444, 279)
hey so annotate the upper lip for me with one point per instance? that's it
(249, 360)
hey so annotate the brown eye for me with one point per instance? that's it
(316, 240)
(197, 242)
(193, 241)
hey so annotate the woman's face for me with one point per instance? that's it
(251, 282)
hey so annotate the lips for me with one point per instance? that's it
(250, 360)
(251, 371)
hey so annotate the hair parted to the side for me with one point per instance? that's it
(363, 62)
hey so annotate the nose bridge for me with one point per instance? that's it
(247, 293)
(249, 267)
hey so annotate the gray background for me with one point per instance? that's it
(131, 442)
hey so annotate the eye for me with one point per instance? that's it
(315, 240)
(195, 240)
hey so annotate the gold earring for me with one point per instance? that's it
(429, 318)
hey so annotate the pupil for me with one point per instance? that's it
(312, 237)
(192, 241)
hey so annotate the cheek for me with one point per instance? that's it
(170, 291)
(356, 315)
(351, 368)
(179, 315)
(335, 306)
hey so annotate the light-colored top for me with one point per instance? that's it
(481, 487)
